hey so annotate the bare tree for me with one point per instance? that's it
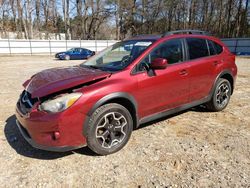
(66, 18)
(90, 19)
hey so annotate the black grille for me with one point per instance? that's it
(26, 102)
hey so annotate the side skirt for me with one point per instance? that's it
(174, 110)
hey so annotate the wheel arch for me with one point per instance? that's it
(122, 98)
(226, 74)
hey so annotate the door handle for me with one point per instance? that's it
(183, 72)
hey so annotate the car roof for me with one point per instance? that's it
(177, 34)
(172, 34)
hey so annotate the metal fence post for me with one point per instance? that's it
(30, 47)
(95, 45)
(80, 43)
(66, 44)
(9, 42)
(49, 47)
(236, 45)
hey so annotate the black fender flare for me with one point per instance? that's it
(106, 99)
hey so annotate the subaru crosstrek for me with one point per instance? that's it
(99, 102)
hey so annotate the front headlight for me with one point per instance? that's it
(60, 103)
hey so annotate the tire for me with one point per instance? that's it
(67, 57)
(109, 129)
(221, 96)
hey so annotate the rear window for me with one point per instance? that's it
(197, 48)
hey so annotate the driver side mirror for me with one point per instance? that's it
(159, 63)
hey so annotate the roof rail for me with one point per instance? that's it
(194, 32)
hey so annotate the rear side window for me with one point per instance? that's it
(197, 48)
(211, 47)
(218, 48)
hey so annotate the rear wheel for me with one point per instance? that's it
(109, 129)
(221, 96)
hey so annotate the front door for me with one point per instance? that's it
(167, 88)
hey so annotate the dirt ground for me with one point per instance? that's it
(192, 149)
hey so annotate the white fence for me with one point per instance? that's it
(14, 46)
(239, 46)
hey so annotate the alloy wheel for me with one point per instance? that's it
(222, 95)
(111, 129)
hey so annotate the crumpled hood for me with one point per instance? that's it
(56, 79)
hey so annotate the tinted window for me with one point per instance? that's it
(170, 50)
(218, 48)
(197, 48)
(211, 47)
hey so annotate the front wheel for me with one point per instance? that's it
(221, 96)
(109, 129)
(67, 57)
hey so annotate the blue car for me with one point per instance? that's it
(75, 53)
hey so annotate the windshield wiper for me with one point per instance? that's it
(90, 66)
(97, 67)
(93, 66)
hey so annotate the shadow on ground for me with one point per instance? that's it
(199, 109)
(19, 144)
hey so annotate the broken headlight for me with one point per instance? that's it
(60, 103)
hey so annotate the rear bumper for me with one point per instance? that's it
(27, 137)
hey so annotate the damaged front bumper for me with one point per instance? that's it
(59, 132)
(27, 137)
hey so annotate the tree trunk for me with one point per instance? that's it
(66, 18)
(117, 20)
(79, 18)
(20, 19)
(37, 24)
(229, 9)
(29, 19)
(14, 10)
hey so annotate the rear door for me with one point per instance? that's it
(76, 53)
(84, 53)
(202, 72)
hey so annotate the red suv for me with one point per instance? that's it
(101, 101)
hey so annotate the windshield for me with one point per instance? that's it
(71, 50)
(118, 56)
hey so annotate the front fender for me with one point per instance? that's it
(106, 99)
